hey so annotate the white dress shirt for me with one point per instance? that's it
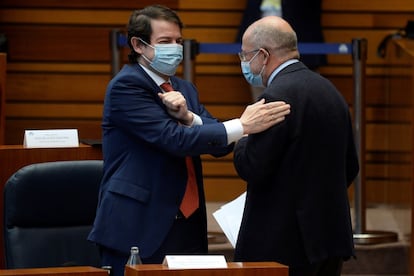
(234, 127)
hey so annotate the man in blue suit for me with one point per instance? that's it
(147, 137)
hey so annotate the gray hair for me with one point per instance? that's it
(271, 38)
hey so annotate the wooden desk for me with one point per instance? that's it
(233, 269)
(400, 57)
(59, 271)
(14, 157)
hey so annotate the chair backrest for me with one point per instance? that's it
(49, 209)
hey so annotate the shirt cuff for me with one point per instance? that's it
(197, 121)
(234, 129)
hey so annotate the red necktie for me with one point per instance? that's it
(190, 200)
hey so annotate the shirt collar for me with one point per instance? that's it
(280, 68)
(156, 78)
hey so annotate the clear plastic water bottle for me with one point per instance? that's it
(134, 258)
(108, 268)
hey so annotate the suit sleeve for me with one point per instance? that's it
(136, 108)
(256, 155)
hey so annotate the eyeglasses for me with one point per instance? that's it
(242, 54)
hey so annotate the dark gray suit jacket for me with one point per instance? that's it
(298, 172)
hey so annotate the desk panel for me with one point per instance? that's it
(58, 271)
(233, 269)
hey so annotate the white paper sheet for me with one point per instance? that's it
(229, 218)
(194, 261)
(51, 138)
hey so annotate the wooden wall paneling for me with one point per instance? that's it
(212, 5)
(43, 16)
(87, 128)
(58, 44)
(366, 20)
(371, 5)
(80, 4)
(388, 131)
(390, 191)
(223, 89)
(54, 67)
(60, 65)
(202, 18)
(388, 137)
(223, 189)
(35, 87)
(373, 37)
(54, 110)
(3, 66)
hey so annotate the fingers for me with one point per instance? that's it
(277, 107)
(281, 110)
(280, 119)
(275, 104)
(260, 102)
(260, 115)
(276, 112)
(173, 99)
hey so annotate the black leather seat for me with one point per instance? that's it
(49, 209)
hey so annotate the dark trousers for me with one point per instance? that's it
(187, 236)
(328, 267)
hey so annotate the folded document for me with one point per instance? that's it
(229, 217)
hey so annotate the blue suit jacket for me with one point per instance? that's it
(144, 153)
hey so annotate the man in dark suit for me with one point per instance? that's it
(151, 143)
(297, 210)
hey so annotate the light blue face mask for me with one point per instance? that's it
(166, 59)
(253, 79)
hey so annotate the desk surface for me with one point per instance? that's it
(59, 271)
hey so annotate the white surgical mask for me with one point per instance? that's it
(166, 58)
(253, 79)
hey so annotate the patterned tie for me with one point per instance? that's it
(190, 200)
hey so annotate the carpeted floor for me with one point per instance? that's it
(382, 259)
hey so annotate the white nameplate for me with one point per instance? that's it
(51, 138)
(195, 261)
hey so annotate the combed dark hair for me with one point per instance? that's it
(139, 25)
